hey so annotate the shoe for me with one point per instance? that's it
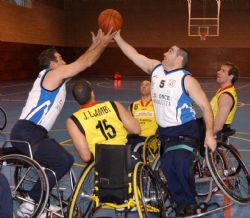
(180, 210)
(26, 209)
(192, 210)
(52, 208)
(133, 209)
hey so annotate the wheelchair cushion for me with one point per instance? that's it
(113, 164)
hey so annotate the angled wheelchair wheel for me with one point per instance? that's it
(151, 149)
(233, 177)
(204, 182)
(82, 204)
(3, 118)
(23, 173)
(149, 195)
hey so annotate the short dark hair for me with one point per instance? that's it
(82, 91)
(184, 53)
(234, 70)
(46, 56)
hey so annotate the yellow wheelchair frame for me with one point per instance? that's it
(145, 193)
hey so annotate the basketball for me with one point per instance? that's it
(110, 18)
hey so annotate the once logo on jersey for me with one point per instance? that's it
(171, 83)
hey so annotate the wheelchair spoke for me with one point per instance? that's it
(81, 202)
(23, 173)
(232, 177)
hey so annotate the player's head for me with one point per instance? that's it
(184, 53)
(145, 88)
(175, 58)
(82, 92)
(50, 58)
(233, 70)
(227, 74)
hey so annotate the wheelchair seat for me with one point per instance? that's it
(225, 133)
(228, 132)
(113, 173)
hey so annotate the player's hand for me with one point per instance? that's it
(117, 35)
(108, 37)
(211, 142)
(96, 39)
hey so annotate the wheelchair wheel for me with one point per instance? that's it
(81, 203)
(233, 178)
(22, 173)
(3, 118)
(151, 149)
(158, 172)
(149, 194)
(205, 184)
(61, 195)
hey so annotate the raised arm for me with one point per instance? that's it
(140, 60)
(56, 76)
(129, 122)
(197, 94)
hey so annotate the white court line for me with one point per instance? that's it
(243, 139)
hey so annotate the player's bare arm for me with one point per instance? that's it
(129, 122)
(197, 94)
(79, 141)
(146, 64)
(62, 72)
(225, 104)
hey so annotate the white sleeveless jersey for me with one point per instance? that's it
(172, 105)
(43, 106)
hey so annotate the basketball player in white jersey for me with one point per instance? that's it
(44, 103)
(173, 90)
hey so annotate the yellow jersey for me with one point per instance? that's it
(214, 102)
(145, 115)
(101, 124)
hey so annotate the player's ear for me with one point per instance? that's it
(179, 58)
(231, 77)
(92, 95)
(52, 64)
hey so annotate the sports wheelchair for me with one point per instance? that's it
(110, 183)
(221, 171)
(23, 172)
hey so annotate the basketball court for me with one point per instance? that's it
(203, 23)
(13, 96)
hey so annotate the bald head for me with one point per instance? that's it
(145, 88)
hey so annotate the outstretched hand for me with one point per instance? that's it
(117, 35)
(96, 38)
(103, 38)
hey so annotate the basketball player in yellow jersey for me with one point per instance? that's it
(102, 123)
(143, 111)
(224, 103)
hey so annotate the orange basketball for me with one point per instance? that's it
(110, 18)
